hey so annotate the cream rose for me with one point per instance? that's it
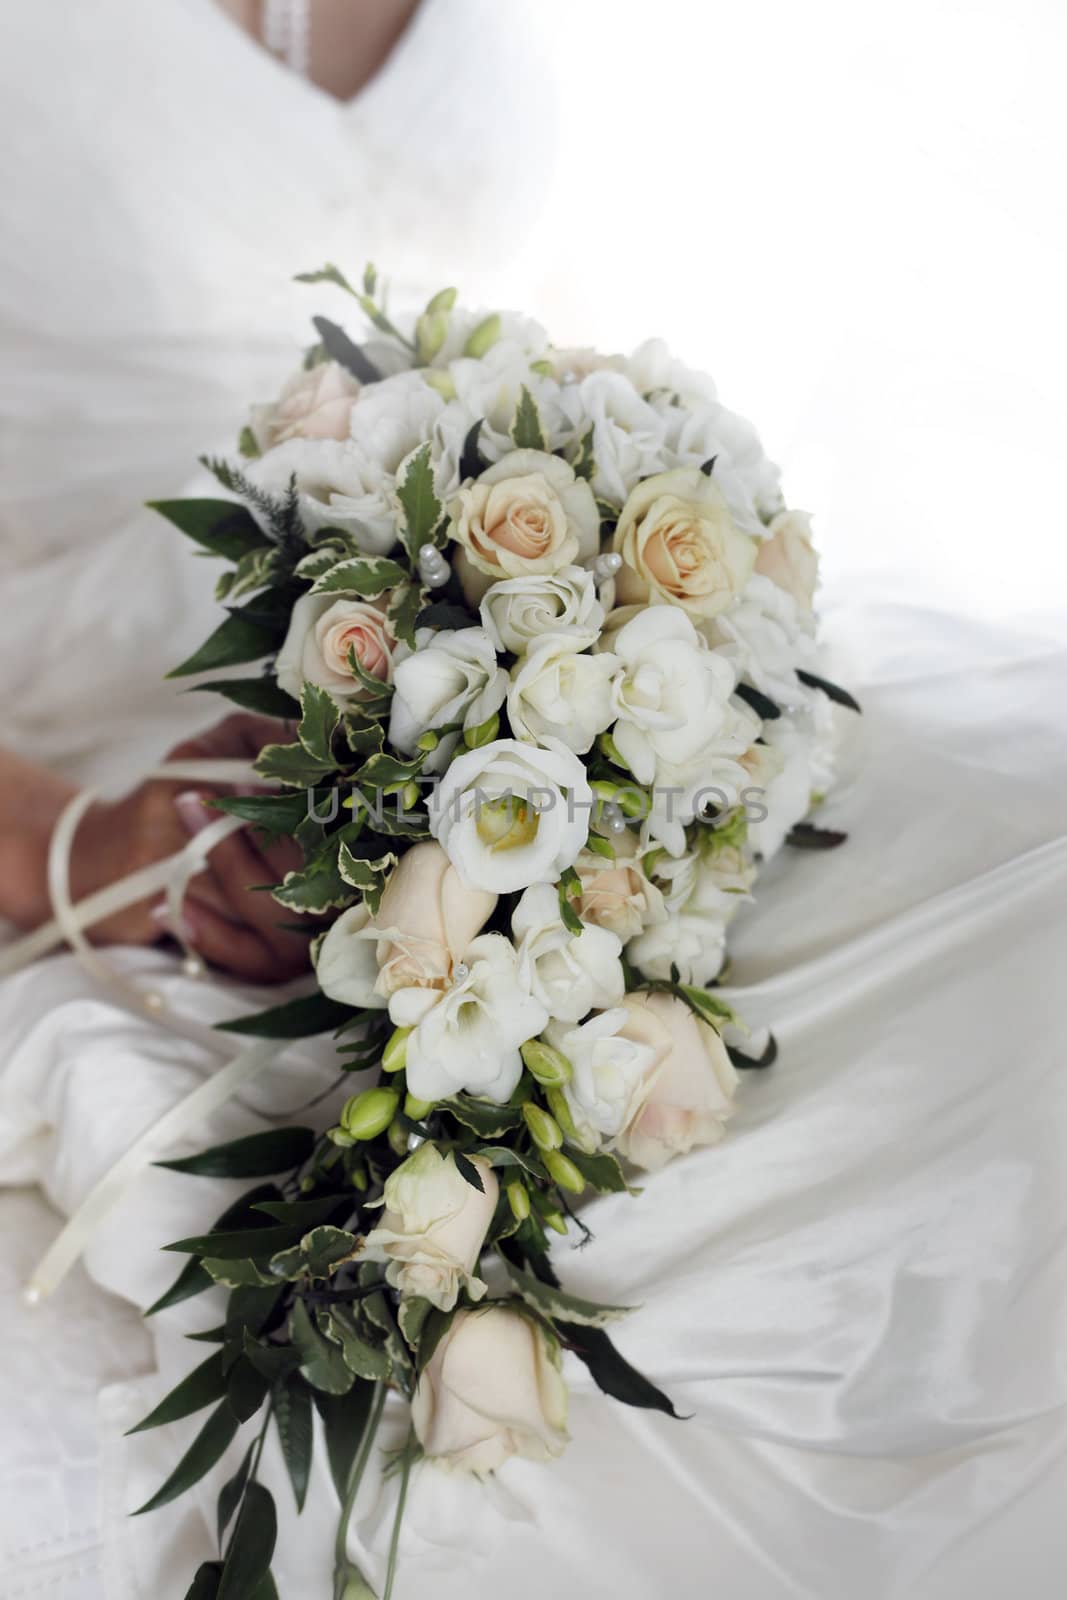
(690, 1086)
(492, 1389)
(558, 693)
(511, 814)
(433, 1227)
(528, 513)
(617, 895)
(516, 612)
(680, 545)
(404, 956)
(316, 404)
(789, 558)
(321, 633)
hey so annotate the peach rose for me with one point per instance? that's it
(322, 631)
(789, 558)
(316, 404)
(680, 546)
(616, 894)
(689, 1086)
(528, 513)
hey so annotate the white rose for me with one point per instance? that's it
(653, 367)
(569, 973)
(528, 513)
(516, 612)
(316, 404)
(609, 1074)
(469, 1040)
(766, 638)
(702, 893)
(795, 763)
(339, 487)
(492, 1389)
(557, 693)
(617, 894)
(672, 700)
(708, 431)
(511, 815)
(321, 633)
(680, 546)
(452, 677)
(433, 1227)
(690, 1086)
(404, 956)
(789, 558)
(628, 433)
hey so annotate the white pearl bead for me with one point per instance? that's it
(460, 972)
(193, 967)
(153, 1001)
(32, 1295)
(607, 565)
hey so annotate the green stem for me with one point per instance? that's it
(359, 1466)
(394, 1544)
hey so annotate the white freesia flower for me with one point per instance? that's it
(571, 974)
(609, 1074)
(680, 546)
(433, 1227)
(652, 368)
(628, 433)
(392, 418)
(469, 1040)
(528, 513)
(749, 481)
(451, 677)
(404, 956)
(518, 611)
(322, 632)
(690, 1086)
(556, 691)
(511, 815)
(702, 893)
(766, 638)
(492, 1389)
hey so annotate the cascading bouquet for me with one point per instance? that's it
(543, 627)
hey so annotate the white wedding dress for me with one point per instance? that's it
(858, 1299)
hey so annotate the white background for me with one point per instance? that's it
(854, 216)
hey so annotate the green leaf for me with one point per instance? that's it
(340, 348)
(833, 691)
(321, 1362)
(319, 716)
(584, 463)
(805, 836)
(610, 1371)
(602, 1172)
(472, 463)
(290, 764)
(246, 1389)
(366, 1360)
(468, 1171)
(210, 1444)
(318, 886)
(205, 1586)
(421, 512)
(526, 430)
(235, 1274)
(248, 444)
(554, 1303)
(344, 1420)
(257, 570)
(251, 1547)
(235, 640)
(761, 704)
(381, 770)
(568, 916)
(260, 695)
(192, 1279)
(367, 576)
(306, 1213)
(706, 1005)
(405, 608)
(276, 815)
(292, 1413)
(250, 1309)
(411, 1316)
(204, 1385)
(231, 1492)
(221, 526)
(501, 1155)
(258, 1155)
(482, 1116)
(296, 1019)
(271, 1361)
(318, 1254)
(600, 846)
(747, 1063)
(252, 1243)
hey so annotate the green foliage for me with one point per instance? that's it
(292, 1414)
(261, 695)
(219, 526)
(526, 430)
(319, 717)
(291, 765)
(233, 642)
(204, 1385)
(322, 1363)
(210, 1444)
(833, 691)
(340, 348)
(610, 1371)
(319, 1253)
(257, 1155)
(296, 1019)
(422, 516)
(554, 1303)
(251, 1547)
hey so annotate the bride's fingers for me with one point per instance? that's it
(240, 735)
(224, 944)
(242, 873)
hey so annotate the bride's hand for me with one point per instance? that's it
(228, 918)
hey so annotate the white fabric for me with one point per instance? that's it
(859, 1295)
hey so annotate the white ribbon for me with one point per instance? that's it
(170, 876)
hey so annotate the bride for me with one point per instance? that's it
(857, 1298)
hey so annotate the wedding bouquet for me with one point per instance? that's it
(541, 626)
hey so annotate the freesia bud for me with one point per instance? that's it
(484, 733)
(367, 1115)
(549, 1066)
(431, 331)
(395, 1054)
(544, 1130)
(518, 1200)
(557, 1101)
(416, 1109)
(398, 1138)
(563, 1171)
(483, 337)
